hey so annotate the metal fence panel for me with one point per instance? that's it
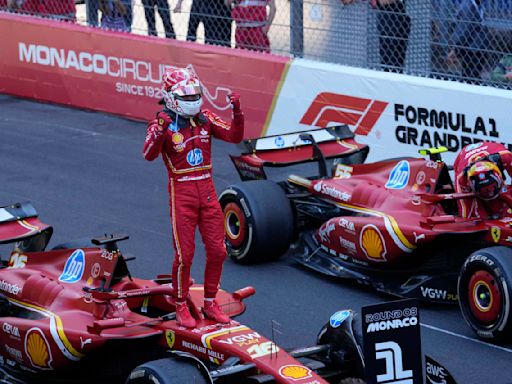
(462, 40)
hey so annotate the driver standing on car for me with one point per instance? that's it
(182, 134)
(479, 168)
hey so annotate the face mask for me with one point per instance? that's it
(189, 108)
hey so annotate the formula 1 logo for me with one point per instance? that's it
(392, 354)
(360, 113)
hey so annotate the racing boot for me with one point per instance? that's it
(212, 311)
(183, 316)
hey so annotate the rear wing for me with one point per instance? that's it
(299, 147)
(19, 222)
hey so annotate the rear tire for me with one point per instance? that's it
(485, 292)
(258, 220)
(167, 371)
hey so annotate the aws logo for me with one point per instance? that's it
(357, 112)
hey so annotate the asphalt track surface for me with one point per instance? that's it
(84, 173)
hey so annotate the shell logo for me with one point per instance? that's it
(295, 372)
(372, 243)
(38, 349)
(177, 138)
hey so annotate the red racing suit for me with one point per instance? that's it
(469, 155)
(251, 17)
(185, 145)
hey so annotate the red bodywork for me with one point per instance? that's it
(394, 207)
(57, 324)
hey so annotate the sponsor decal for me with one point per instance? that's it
(11, 330)
(420, 178)
(419, 237)
(338, 318)
(328, 108)
(17, 260)
(83, 342)
(95, 270)
(392, 344)
(295, 372)
(438, 294)
(372, 243)
(436, 373)
(496, 234)
(343, 171)
(177, 138)
(383, 321)
(428, 128)
(391, 353)
(205, 351)
(15, 353)
(243, 339)
(203, 132)
(195, 157)
(107, 255)
(207, 338)
(432, 164)
(170, 336)
(399, 176)
(38, 349)
(332, 192)
(279, 142)
(350, 246)
(346, 224)
(74, 267)
(472, 146)
(325, 230)
(13, 289)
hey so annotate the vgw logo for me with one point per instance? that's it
(392, 354)
(358, 112)
(399, 176)
(195, 157)
(74, 268)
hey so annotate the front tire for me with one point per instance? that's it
(485, 292)
(167, 371)
(258, 221)
(343, 337)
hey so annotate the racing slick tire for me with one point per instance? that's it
(167, 371)
(485, 291)
(258, 221)
(341, 334)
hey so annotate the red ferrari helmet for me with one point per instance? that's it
(181, 91)
(485, 179)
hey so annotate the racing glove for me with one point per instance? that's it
(158, 125)
(234, 99)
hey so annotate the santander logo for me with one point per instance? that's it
(358, 112)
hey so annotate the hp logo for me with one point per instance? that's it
(399, 176)
(74, 268)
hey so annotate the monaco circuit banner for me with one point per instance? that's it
(121, 73)
(395, 114)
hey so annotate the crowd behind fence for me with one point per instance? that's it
(462, 40)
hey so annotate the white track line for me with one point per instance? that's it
(466, 338)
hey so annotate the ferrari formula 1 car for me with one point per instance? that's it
(74, 314)
(391, 224)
